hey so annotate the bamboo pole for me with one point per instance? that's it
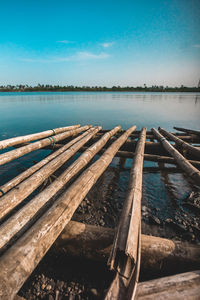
(149, 157)
(25, 188)
(15, 181)
(126, 246)
(16, 153)
(16, 222)
(180, 286)
(181, 160)
(35, 136)
(157, 254)
(20, 260)
(190, 131)
(191, 149)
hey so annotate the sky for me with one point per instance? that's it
(100, 42)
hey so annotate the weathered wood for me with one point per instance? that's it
(21, 259)
(15, 223)
(16, 153)
(35, 136)
(157, 254)
(190, 131)
(126, 246)
(25, 188)
(191, 149)
(180, 286)
(148, 157)
(12, 183)
(188, 168)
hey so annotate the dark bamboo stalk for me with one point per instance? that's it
(181, 160)
(35, 136)
(21, 259)
(16, 153)
(190, 131)
(190, 149)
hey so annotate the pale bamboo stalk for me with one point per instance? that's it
(190, 131)
(16, 153)
(189, 148)
(15, 196)
(94, 242)
(181, 160)
(35, 136)
(125, 254)
(20, 260)
(180, 286)
(149, 157)
(13, 182)
(16, 222)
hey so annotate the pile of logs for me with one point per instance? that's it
(29, 226)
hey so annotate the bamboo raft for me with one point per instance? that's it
(30, 227)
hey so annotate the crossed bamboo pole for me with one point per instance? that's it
(35, 136)
(16, 153)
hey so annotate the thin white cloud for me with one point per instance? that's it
(78, 56)
(65, 42)
(107, 45)
(196, 46)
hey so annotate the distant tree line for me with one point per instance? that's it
(71, 88)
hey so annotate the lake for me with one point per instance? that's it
(24, 113)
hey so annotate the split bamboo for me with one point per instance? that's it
(190, 131)
(181, 160)
(15, 196)
(180, 286)
(20, 260)
(16, 153)
(12, 183)
(35, 136)
(189, 148)
(125, 253)
(21, 218)
(157, 254)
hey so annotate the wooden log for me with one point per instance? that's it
(125, 254)
(15, 196)
(148, 157)
(180, 286)
(188, 168)
(12, 183)
(20, 260)
(35, 136)
(190, 131)
(16, 153)
(20, 219)
(191, 149)
(157, 254)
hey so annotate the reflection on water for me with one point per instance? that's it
(23, 113)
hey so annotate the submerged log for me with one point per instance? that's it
(35, 136)
(180, 286)
(157, 254)
(181, 160)
(190, 149)
(126, 250)
(20, 260)
(190, 131)
(25, 188)
(16, 153)
(20, 219)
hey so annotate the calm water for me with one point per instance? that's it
(23, 113)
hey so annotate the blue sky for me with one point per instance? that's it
(88, 42)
